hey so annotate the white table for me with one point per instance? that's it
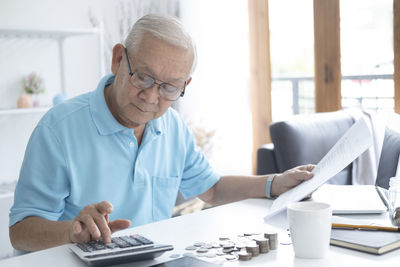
(209, 225)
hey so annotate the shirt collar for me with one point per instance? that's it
(104, 120)
(157, 126)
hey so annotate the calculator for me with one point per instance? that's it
(122, 249)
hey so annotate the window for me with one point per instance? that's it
(367, 54)
(292, 57)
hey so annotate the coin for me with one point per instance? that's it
(188, 254)
(227, 250)
(208, 246)
(244, 256)
(199, 244)
(231, 257)
(253, 249)
(202, 250)
(273, 239)
(271, 235)
(229, 245)
(241, 245)
(220, 253)
(262, 241)
(215, 245)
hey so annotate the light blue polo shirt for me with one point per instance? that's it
(79, 154)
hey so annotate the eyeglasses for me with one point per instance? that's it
(143, 81)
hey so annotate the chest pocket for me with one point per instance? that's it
(165, 191)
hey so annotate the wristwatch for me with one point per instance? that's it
(268, 185)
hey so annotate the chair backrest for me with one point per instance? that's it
(307, 138)
(389, 158)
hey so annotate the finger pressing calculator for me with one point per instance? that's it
(122, 249)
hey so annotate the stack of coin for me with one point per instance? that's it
(263, 243)
(253, 248)
(244, 255)
(228, 247)
(273, 239)
(243, 247)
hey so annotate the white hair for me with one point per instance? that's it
(167, 28)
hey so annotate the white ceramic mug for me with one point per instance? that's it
(310, 228)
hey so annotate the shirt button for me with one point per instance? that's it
(131, 144)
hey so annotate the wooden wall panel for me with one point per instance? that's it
(327, 55)
(260, 74)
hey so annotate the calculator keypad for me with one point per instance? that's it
(116, 242)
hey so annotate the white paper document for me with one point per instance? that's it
(354, 142)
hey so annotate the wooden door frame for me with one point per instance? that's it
(328, 76)
(260, 74)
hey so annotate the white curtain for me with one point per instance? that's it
(117, 18)
(218, 99)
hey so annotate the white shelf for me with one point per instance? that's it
(59, 36)
(17, 111)
(7, 189)
(50, 34)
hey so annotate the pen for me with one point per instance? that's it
(381, 191)
(367, 227)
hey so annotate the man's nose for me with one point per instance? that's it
(151, 95)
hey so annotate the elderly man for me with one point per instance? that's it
(117, 156)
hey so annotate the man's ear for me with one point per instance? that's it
(117, 56)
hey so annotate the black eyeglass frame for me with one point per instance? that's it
(131, 73)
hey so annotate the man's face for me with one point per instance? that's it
(132, 106)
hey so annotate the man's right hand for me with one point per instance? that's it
(92, 224)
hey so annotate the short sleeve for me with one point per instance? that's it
(43, 184)
(198, 176)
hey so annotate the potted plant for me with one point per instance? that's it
(32, 85)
